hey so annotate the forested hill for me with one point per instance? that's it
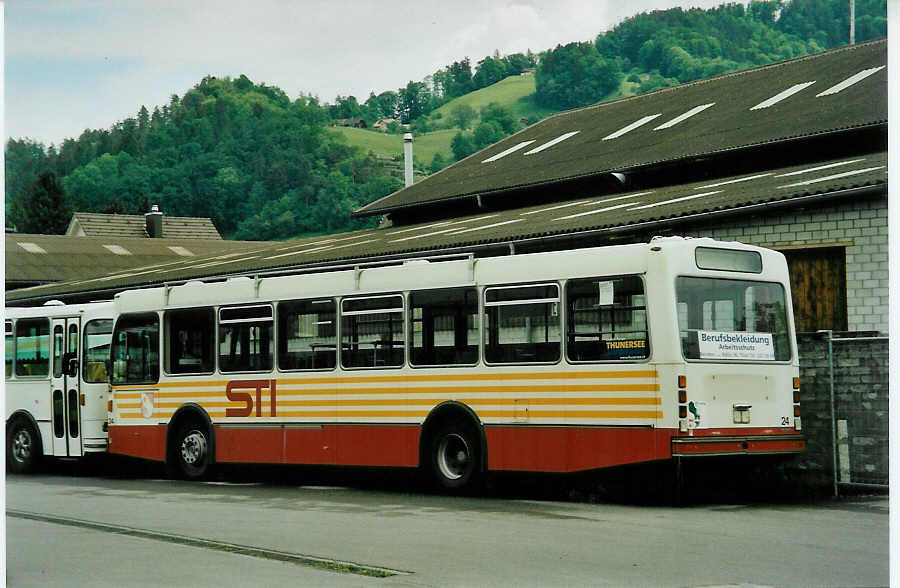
(264, 166)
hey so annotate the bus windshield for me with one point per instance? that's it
(722, 319)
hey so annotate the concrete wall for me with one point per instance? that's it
(859, 225)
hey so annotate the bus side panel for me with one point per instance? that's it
(348, 445)
(572, 449)
(377, 445)
(142, 441)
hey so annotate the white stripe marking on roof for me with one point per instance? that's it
(440, 224)
(333, 247)
(31, 247)
(857, 77)
(820, 167)
(222, 262)
(506, 152)
(685, 116)
(599, 210)
(515, 220)
(549, 144)
(631, 127)
(117, 249)
(557, 207)
(184, 251)
(833, 177)
(784, 94)
(691, 197)
(617, 198)
(737, 181)
(442, 231)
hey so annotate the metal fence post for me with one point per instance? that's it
(834, 440)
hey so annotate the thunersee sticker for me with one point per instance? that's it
(723, 345)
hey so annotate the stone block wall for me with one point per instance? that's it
(861, 400)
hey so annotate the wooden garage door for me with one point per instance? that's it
(819, 288)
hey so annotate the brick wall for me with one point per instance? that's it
(861, 399)
(858, 225)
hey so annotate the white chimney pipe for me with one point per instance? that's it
(407, 159)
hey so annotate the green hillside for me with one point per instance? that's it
(515, 92)
(387, 145)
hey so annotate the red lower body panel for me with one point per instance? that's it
(572, 449)
(511, 448)
(145, 442)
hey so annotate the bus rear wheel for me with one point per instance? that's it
(23, 447)
(192, 451)
(455, 457)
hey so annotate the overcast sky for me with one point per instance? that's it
(76, 64)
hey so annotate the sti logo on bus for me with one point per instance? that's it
(235, 392)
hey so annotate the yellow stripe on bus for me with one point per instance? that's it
(400, 378)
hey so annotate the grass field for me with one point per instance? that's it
(514, 92)
(386, 145)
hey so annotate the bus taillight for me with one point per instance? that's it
(797, 423)
(682, 404)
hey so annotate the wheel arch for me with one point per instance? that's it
(451, 411)
(187, 413)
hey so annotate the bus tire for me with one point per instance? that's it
(192, 451)
(23, 447)
(454, 457)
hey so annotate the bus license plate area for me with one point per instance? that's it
(741, 414)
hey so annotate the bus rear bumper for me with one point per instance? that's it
(738, 445)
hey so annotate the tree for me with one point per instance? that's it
(41, 206)
(490, 70)
(462, 146)
(413, 101)
(575, 75)
(462, 116)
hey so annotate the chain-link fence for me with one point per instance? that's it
(844, 407)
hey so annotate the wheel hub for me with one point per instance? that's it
(453, 456)
(193, 448)
(22, 445)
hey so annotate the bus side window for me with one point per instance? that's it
(135, 349)
(606, 319)
(444, 327)
(372, 332)
(307, 334)
(10, 349)
(522, 324)
(32, 347)
(246, 338)
(190, 341)
(95, 355)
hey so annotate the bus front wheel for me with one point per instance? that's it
(193, 451)
(23, 447)
(455, 457)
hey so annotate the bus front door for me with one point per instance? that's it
(64, 389)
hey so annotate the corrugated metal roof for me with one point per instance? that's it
(134, 225)
(754, 191)
(52, 258)
(816, 95)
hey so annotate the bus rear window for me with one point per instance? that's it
(720, 319)
(729, 260)
(135, 349)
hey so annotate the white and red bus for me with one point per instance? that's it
(546, 362)
(56, 382)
